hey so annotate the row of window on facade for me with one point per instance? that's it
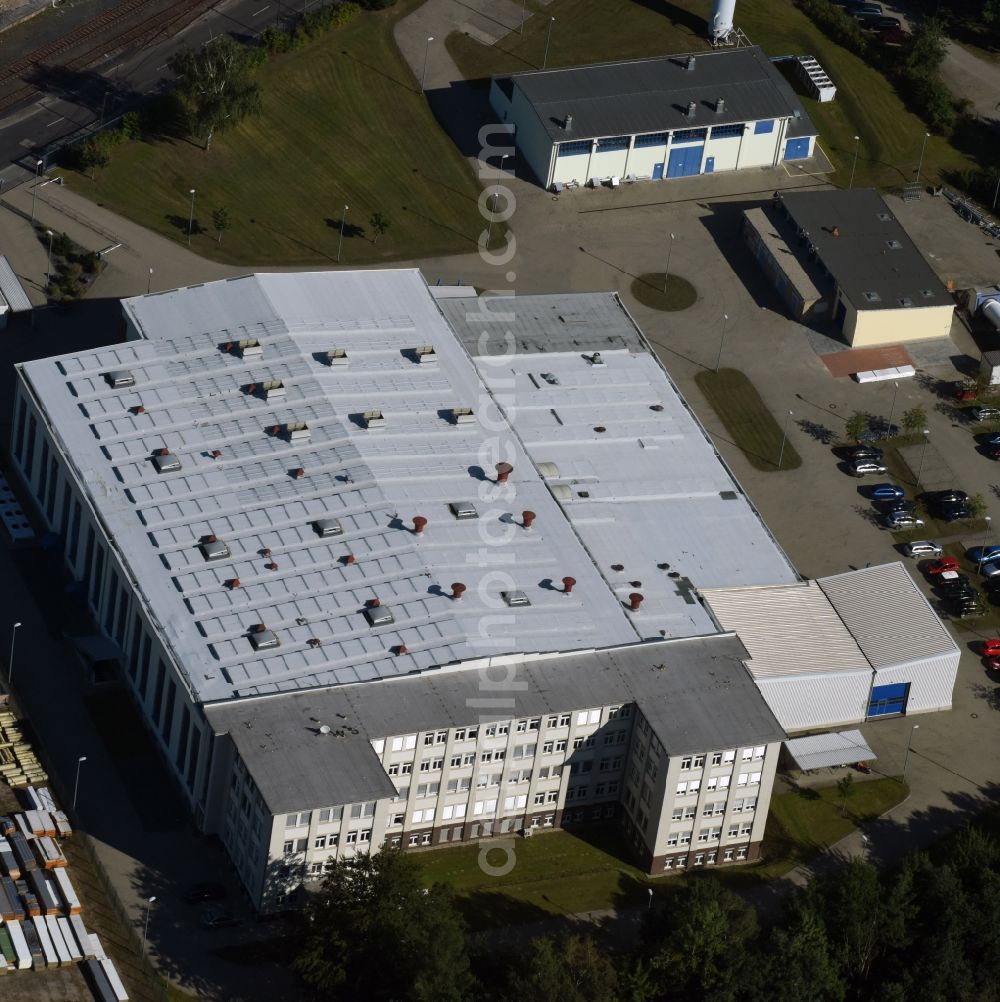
(714, 809)
(710, 834)
(706, 858)
(610, 144)
(408, 742)
(717, 783)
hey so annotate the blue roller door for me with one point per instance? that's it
(685, 162)
(888, 699)
(797, 149)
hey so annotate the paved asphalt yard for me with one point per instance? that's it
(582, 241)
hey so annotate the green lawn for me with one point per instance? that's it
(554, 873)
(342, 123)
(804, 823)
(667, 293)
(560, 873)
(746, 418)
(866, 104)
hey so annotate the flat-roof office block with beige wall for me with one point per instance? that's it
(874, 284)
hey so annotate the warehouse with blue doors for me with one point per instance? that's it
(668, 117)
(843, 649)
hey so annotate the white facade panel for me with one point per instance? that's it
(760, 149)
(533, 142)
(724, 152)
(571, 168)
(817, 701)
(642, 160)
(607, 164)
(932, 682)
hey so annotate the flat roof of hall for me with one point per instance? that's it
(646, 505)
(652, 95)
(695, 693)
(872, 258)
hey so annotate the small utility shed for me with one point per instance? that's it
(807, 666)
(913, 655)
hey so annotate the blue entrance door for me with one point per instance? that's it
(841, 315)
(797, 149)
(657, 172)
(888, 699)
(709, 165)
(685, 162)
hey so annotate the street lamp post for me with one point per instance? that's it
(48, 270)
(722, 340)
(784, 438)
(666, 270)
(423, 75)
(343, 223)
(854, 166)
(982, 552)
(76, 783)
(906, 757)
(649, 891)
(923, 146)
(145, 924)
(996, 194)
(923, 453)
(149, 282)
(34, 188)
(892, 410)
(548, 35)
(521, 28)
(10, 662)
(191, 217)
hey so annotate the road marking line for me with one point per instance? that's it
(56, 122)
(259, 12)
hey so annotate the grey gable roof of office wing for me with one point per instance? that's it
(872, 253)
(652, 95)
(695, 693)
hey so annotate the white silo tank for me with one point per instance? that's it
(720, 24)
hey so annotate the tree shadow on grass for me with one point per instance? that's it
(182, 223)
(348, 229)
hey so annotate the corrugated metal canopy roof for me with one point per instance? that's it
(11, 288)
(652, 95)
(789, 630)
(888, 615)
(820, 750)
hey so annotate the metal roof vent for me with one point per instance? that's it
(120, 379)
(549, 471)
(904, 301)
(273, 388)
(595, 359)
(324, 729)
(373, 419)
(568, 123)
(873, 297)
(893, 245)
(690, 64)
(515, 598)
(885, 217)
(720, 105)
(462, 415)
(379, 615)
(164, 461)
(297, 431)
(249, 347)
(262, 639)
(328, 527)
(213, 548)
(336, 356)
(927, 293)
(425, 353)
(463, 509)
(692, 108)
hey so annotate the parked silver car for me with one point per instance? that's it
(923, 548)
(901, 520)
(866, 467)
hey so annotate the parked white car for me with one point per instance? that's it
(923, 548)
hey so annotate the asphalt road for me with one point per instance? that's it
(35, 128)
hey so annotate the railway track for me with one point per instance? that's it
(141, 33)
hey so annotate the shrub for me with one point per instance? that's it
(131, 126)
(377, 4)
(91, 262)
(274, 41)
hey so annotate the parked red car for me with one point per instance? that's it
(991, 647)
(947, 564)
(964, 392)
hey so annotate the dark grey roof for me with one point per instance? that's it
(652, 95)
(582, 321)
(11, 289)
(695, 693)
(871, 254)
